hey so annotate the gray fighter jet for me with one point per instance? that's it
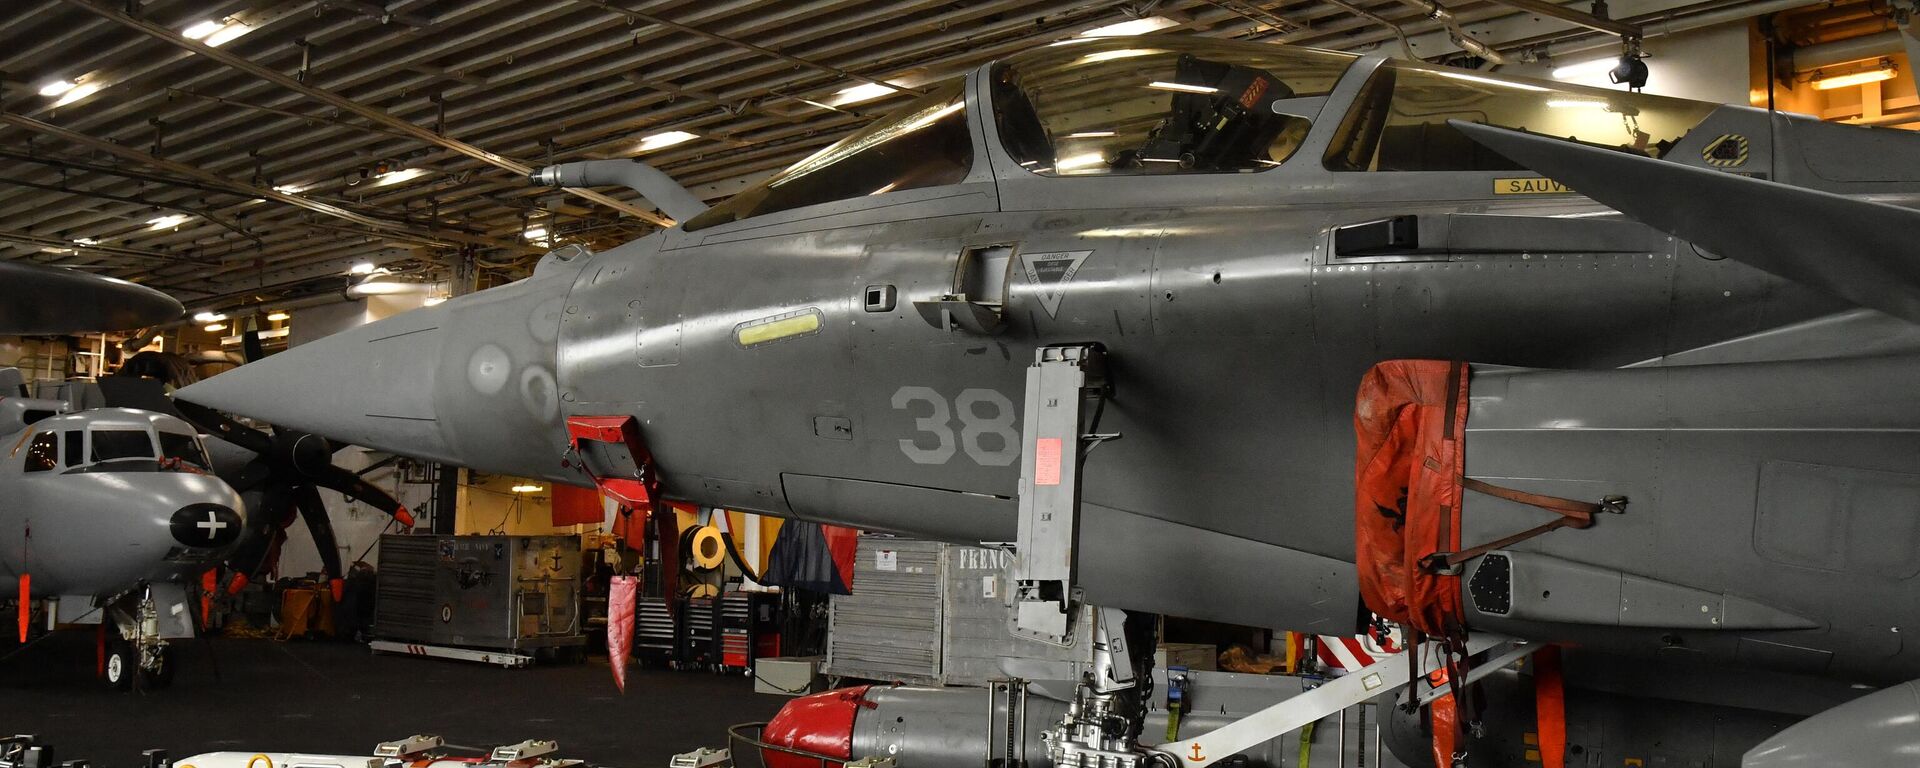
(1698, 316)
(105, 513)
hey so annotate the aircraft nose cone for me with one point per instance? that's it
(471, 382)
(205, 525)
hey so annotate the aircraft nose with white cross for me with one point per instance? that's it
(104, 516)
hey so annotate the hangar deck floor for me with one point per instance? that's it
(339, 698)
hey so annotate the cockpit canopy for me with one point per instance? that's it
(1169, 104)
(1160, 105)
(109, 439)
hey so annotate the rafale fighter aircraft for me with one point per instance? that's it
(1699, 317)
(104, 513)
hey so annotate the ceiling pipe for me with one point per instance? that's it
(1661, 24)
(378, 116)
(1582, 18)
(1808, 58)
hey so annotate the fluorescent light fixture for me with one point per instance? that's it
(536, 233)
(226, 34)
(1085, 160)
(211, 327)
(395, 177)
(207, 317)
(1124, 53)
(288, 189)
(1857, 78)
(883, 190)
(383, 287)
(56, 250)
(1181, 87)
(56, 87)
(85, 241)
(168, 222)
(1131, 27)
(1089, 135)
(527, 488)
(200, 30)
(1490, 81)
(278, 317)
(1585, 70)
(861, 92)
(77, 93)
(362, 268)
(664, 140)
(1576, 104)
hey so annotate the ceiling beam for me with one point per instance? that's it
(1580, 18)
(377, 115)
(209, 177)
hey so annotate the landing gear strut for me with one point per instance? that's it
(133, 646)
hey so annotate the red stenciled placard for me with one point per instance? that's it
(1046, 461)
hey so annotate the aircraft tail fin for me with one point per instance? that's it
(1856, 249)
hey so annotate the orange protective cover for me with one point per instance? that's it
(1410, 420)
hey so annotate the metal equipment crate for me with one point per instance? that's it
(933, 613)
(494, 592)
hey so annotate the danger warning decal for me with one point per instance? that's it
(1728, 151)
(1050, 272)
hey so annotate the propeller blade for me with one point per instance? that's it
(253, 556)
(251, 476)
(250, 346)
(224, 427)
(312, 510)
(353, 487)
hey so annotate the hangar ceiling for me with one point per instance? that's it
(252, 150)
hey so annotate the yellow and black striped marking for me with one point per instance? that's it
(1728, 151)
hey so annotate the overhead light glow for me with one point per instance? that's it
(85, 241)
(201, 30)
(362, 268)
(211, 327)
(278, 317)
(1857, 78)
(1086, 160)
(1490, 81)
(288, 189)
(664, 140)
(861, 92)
(1182, 87)
(208, 317)
(168, 222)
(382, 287)
(56, 87)
(77, 93)
(1585, 70)
(525, 488)
(1131, 27)
(536, 233)
(1124, 53)
(395, 177)
(55, 250)
(1089, 135)
(1576, 104)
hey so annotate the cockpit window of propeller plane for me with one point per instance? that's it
(62, 446)
(1398, 122)
(1180, 106)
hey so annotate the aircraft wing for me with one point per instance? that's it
(1858, 250)
(37, 299)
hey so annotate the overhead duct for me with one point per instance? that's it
(1808, 58)
(1668, 23)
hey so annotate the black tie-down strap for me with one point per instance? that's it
(1572, 514)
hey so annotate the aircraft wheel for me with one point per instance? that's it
(155, 679)
(122, 664)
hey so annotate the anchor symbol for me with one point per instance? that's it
(1196, 756)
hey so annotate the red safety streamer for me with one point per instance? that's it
(1550, 707)
(620, 603)
(1446, 726)
(26, 604)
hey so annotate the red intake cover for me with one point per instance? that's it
(821, 723)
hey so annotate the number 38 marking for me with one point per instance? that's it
(983, 413)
